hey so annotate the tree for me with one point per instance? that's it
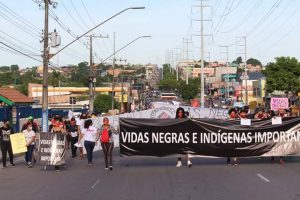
(80, 75)
(14, 68)
(4, 69)
(283, 75)
(189, 91)
(254, 62)
(102, 103)
(238, 60)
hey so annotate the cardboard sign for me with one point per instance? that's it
(246, 122)
(276, 120)
(18, 143)
(279, 103)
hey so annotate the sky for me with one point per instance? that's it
(263, 29)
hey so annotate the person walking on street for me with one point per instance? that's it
(72, 130)
(5, 133)
(90, 135)
(107, 142)
(30, 144)
(57, 126)
(80, 124)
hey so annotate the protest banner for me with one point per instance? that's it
(279, 103)
(206, 137)
(18, 143)
(52, 148)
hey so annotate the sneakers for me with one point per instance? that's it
(179, 164)
(189, 163)
(89, 164)
(29, 165)
(110, 168)
(3, 167)
(13, 164)
(106, 168)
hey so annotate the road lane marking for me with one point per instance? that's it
(93, 186)
(263, 178)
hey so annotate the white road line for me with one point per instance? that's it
(263, 178)
(93, 186)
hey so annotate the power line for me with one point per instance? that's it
(19, 16)
(245, 18)
(20, 26)
(19, 51)
(94, 23)
(264, 18)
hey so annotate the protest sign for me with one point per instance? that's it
(18, 143)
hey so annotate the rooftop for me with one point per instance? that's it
(11, 96)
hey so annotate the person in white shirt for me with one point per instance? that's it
(30, 139)
(90, 135)
(80, 124)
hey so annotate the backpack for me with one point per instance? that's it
(105, 136)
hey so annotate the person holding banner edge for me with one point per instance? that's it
(57, 126)
(181, 114)
(107, 142)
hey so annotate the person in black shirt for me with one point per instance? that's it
(5, 133)
(72, 130)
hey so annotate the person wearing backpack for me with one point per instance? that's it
(107, 142)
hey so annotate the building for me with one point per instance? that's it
(117, 72)
(12, 102)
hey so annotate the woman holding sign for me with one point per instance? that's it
(30, 138)
(107, 142)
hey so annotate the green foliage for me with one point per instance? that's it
(81, 74)
(238, 60)
(14, 68)
(4, 69)
(253, 62)
(283, 75)
(102, 103)
(191, 90)
(169, 83)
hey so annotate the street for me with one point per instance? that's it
(154, 178)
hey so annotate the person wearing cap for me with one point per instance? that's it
(5, 133)
(34, 125)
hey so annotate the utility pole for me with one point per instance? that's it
(202, 50)
(45, 70)
(177, 56)
(226, 52)
(245, 75)
(92, 80)
(202, 58)
(113, 77)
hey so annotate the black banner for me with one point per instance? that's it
(207, 137)
(52, 148)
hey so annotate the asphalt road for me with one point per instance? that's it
(154, 178)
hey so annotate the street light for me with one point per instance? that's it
(46, 58)
(145, 36)
(113, 66)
